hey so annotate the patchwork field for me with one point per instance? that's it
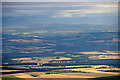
(93, 72)
(37, 59)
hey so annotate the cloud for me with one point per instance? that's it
(56, 4)
(60, 0)
(84, 9)
(98, 5)
(24, 12)
(58, 9)
(77, 13)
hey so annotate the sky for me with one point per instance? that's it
(15, 13)
(60, 16)
(60, 0)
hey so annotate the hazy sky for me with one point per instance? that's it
(59, 0)
(15, 13)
